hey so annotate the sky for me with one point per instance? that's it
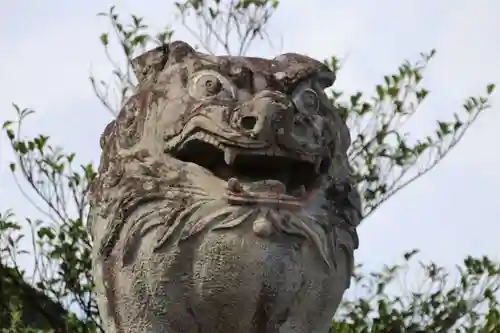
(49, 48)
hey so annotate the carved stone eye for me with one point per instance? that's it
(206, 85)
(210, 84)
(310, 99)
(306, 100)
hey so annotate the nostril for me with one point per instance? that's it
(248, 122)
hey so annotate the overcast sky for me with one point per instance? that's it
(48, 48)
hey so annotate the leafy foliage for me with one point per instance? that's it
(60, 244)
(385, 159)
(436, 303)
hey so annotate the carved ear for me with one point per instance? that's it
(150, 63)
(178, 50)
(325, 79)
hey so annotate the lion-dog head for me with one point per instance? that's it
(222, 201)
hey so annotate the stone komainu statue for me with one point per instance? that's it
(222, 202)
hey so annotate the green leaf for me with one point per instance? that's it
(104, 39)
(380, 92)
(490, 88)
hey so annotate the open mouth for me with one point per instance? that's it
(253, 176)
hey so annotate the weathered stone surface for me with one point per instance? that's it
(223, 203)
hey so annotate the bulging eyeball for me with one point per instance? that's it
(307, 101)
(208, 84)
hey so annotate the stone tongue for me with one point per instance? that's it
(268, 186)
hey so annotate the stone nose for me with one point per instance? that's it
(264, 116)
(248, 123)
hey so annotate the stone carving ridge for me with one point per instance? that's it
(222, 201)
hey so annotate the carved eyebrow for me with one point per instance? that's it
(291, 79)
(208, 67)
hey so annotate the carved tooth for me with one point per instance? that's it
(317, 165)
(300, 192)
(234, 185)
(209, 139)
(229, 156)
